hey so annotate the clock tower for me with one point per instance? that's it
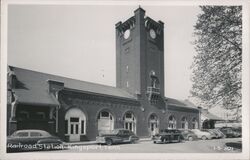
(140, 56)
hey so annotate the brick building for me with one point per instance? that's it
(77, 110)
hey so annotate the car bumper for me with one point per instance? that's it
(157, 140)
(100, 140)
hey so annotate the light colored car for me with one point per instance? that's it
(31, 139)
(188, 135)
(202, 134)
(218, 133)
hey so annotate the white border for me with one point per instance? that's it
(245, 81)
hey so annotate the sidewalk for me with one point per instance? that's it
(94, 142)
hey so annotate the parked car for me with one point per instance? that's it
(202, 134)
(117, 136)
(213, 134)
(168, 135)
(230, 132)
(218, 133)
(189, 135)
(238, 131)
(25, 140)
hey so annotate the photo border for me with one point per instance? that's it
(245, 85)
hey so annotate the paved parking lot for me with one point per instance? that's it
(230, 145)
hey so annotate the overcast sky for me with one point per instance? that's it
(79, 41)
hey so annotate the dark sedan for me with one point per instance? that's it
(26, 140)
(230, 132)
(168, 135)
(117, 136)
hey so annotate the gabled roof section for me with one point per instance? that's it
(178, 103)
(32, 87)
(210, 116)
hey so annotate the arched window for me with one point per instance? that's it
(130, 122)
(105, 115)
(105, 122)
(153, 124)
(172, 122)
(194, 123)
(184, 123)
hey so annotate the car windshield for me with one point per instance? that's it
(20, 134)
(114, 131)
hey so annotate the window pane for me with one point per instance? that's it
(71, 129)
(77, 127)
(128, 115)
(171, 118)
(66, 126)
(104, 114)
(82, 125)
(74, 119)
(35, 134)
(22, 134)
(130, 126)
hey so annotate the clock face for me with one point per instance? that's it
(126, 34)
(152, 33)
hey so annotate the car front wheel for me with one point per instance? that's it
(109, 142)
(203, 137)
(190, 138)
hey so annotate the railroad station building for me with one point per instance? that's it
(78, 110)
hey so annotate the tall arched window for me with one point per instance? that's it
(130, 121)
(153, 124)
(184, 123)
(172, 122)
(194, 123)
(105, 122)
(75, 124)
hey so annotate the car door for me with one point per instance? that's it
(35, 137)
(175, 135)
(22, 137)
(126, 137)
(185, 134)
(120, 136)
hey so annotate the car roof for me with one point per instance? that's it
(33, 130)
(121, 129)
(30, 130)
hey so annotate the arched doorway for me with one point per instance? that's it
(153, 124)
(75, 124)
(194, 123)
(171, 122)
(105, 122)
(184, 123)
(130, 121)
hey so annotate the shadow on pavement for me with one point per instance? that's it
(237, 145)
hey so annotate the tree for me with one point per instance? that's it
(218, 63)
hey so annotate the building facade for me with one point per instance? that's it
(78, 111)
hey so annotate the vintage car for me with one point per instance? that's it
(230, 132)
(26, 140)
(117, 136)
(203, 134)
(238, 131)
(217, 133)
(212, 133)
(188, 135)
(167, 136)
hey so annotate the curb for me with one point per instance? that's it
(94, 142)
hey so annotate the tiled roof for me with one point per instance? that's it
(179, 103)
(32, 87)
(210, 116)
